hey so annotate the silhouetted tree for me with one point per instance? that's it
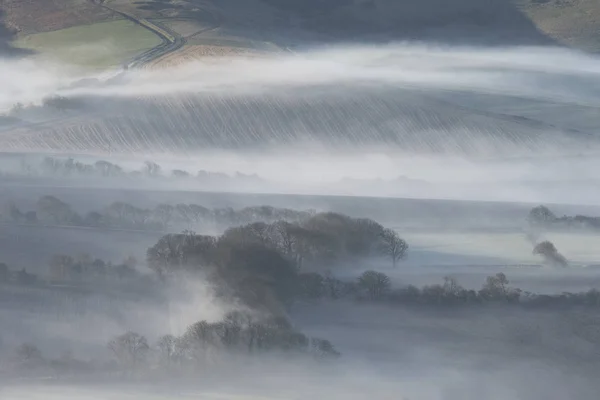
(393, 246)
(376, 284)
(541, 216)
(550, 254)
(496, 288)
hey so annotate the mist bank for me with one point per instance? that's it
(397, 120)
(536, 179)
(418, 98)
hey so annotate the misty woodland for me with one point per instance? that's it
(264, 268)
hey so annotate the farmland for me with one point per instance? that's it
(99, 45)
(195, 52)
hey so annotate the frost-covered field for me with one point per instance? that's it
(489, 249)
(471, 257)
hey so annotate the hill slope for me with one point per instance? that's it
(570, 22)
(34, 16)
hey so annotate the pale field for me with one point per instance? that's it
(580, 249)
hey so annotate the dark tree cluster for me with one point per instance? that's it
(259, 262)
(238, 333)
(202, 344)
(17, 277)
(50, 210)
(541, 218)
(550, 254)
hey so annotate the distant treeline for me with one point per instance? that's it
(50, 210)
(376, 286)
(81, 269)
(69, 167)
(541, 218)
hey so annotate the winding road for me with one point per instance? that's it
(171, 41)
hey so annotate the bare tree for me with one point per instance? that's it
(393, 246)
(496, 288)
(541, 216)
(375, 283)
(130, 349)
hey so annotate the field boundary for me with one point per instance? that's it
(171, 41)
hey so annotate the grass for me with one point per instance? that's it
(99, 45)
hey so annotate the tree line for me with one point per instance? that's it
(376, 286)
(541, 218)
(70, 167)
(72, 270)
(50, 210)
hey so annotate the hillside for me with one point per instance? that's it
(34, 16)
(575, 23)
(569, 22)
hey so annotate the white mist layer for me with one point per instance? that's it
(536, 72)
(494, 104)
(567, 180)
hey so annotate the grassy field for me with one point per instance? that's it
(99, 45)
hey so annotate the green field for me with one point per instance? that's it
(99, 45)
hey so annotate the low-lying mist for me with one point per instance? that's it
(433, 300)
(404, 119)
(551, 179)
(538, 73)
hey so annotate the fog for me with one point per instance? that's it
(540, 73)
(449, 147)
(401, 120)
